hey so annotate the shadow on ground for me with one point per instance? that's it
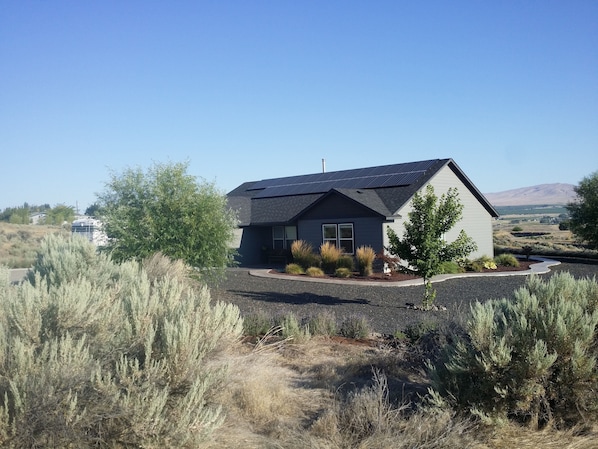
(298, 298)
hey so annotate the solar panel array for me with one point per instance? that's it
(361, 178)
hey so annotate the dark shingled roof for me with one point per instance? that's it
(383, 190)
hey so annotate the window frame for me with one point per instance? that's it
(338, 239)
(284, 238)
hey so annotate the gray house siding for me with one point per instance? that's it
(251, 242)
(336, 209)
(367, 231)
(476, 220)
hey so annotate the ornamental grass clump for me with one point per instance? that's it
(343, 273)
(506, 260)
(365, 256)
(330, 255)
(314, 272)
(346, 261)
(531, 357)
(107, 354)
(294, 268)
(304, 255)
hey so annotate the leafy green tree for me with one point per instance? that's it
(166, 210)
(423, 244)
(60, 214)
(93, 210)
(584, 211)
(20, 215)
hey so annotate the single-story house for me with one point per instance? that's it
(349, 208)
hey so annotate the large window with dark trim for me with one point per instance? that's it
(283, 236)
(340, 235)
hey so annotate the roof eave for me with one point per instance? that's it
(471, 186)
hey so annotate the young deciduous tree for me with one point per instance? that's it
(584, 212)
(423, 244)
(166, 210)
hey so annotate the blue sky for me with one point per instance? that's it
(247, 90)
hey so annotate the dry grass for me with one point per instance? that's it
(329, 394)
(19, 243)
(544, 239)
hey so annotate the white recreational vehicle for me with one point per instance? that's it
(91, 229)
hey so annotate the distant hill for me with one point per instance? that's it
(534, 195)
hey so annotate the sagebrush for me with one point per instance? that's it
(531, 357)
(107, 356)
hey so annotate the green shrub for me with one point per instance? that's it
(324, 323)
(314, 272)
(565, 225)
(294, 268)
(343, 273)
(450, 268)
(506, 260)
(313, 261)
(472, 265)
(330, 255)
(365, 256)
(487, 262)
(530, 357)
(106, 355)
(356, 327)
(346, 261)
(480, 264)
(517, 229)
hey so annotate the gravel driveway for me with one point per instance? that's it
(384, 307)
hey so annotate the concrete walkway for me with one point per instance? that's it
(542, 266)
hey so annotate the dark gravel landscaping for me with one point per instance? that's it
(384, 307)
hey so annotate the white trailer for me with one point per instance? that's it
(91, 229)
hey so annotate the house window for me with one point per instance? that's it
(345, 237)
(283, 236)
(330, 234)
(340, 235)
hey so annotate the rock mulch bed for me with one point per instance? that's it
(383, 306)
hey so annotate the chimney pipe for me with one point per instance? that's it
(323, 165)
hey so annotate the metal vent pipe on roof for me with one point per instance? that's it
(323, 165)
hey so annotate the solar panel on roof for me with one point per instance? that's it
(371, 177)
